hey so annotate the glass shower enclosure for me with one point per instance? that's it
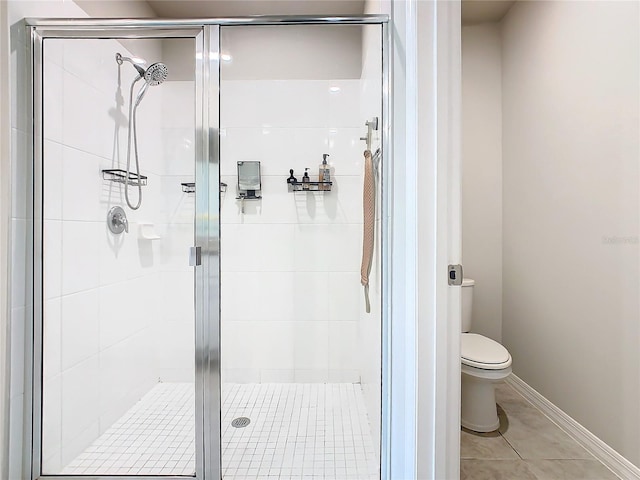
(190, 319)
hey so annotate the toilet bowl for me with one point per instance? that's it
(484, 362)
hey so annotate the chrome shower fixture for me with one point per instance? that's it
(154, 75)
(138, 63)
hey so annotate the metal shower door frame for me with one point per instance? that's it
(206, 33)
(206, 276)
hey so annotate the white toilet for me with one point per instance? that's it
(484, 363)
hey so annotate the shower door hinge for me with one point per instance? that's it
(455, 275)
(195, 256)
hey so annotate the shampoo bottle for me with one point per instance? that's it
(324, 173)
(305, 180)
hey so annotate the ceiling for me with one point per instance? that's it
(239, 8)
(483, 11)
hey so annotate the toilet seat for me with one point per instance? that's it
(481, 352)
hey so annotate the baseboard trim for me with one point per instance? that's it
(615, 462)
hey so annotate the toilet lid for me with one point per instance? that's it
(482, 352)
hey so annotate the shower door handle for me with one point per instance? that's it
(195, 256)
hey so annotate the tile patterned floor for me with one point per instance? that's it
(155, 437)
(297, 431)
(527, 446)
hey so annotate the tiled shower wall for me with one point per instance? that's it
(291, 291)
(98, 286)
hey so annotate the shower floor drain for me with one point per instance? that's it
(240, 422)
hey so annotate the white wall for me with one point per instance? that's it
(571, 317)
(482, 173)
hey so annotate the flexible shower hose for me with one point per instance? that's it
(132, 133)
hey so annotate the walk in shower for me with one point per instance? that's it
(198, 307)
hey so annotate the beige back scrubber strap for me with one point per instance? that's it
(369, 218)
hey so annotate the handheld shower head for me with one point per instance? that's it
(156, 74)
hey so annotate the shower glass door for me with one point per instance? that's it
(121, 197)
(301, 355)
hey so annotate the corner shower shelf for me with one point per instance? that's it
(120, 176)
(312, 186)
(190, 187)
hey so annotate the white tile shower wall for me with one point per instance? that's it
(290, 262)
(101, 315)
(175, 337)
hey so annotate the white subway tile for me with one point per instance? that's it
(276, 376)
(51, 424)
(258, 296)
(80, 327)
(80, 395)
(176, 348)
(311, 345)
(282, 148)
(311, 295)
(93, 61)
(178, 104)
(52, 339)
(251, 247)
(340, 242)
(53, 180)
(345, 294)
(82, 186)
(52, 252)
(178, 151)
(343, 341)
(80, 256)
(177, 301)
(53, 100)
(53, 49)
(87, 118)
(317, 375)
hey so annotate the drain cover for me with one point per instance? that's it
(240, 422)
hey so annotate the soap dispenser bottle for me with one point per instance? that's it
(305, 180)
(324, 173)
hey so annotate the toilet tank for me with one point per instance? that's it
(467, 303)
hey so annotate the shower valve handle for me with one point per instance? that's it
(122, 220)
(117, 220)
